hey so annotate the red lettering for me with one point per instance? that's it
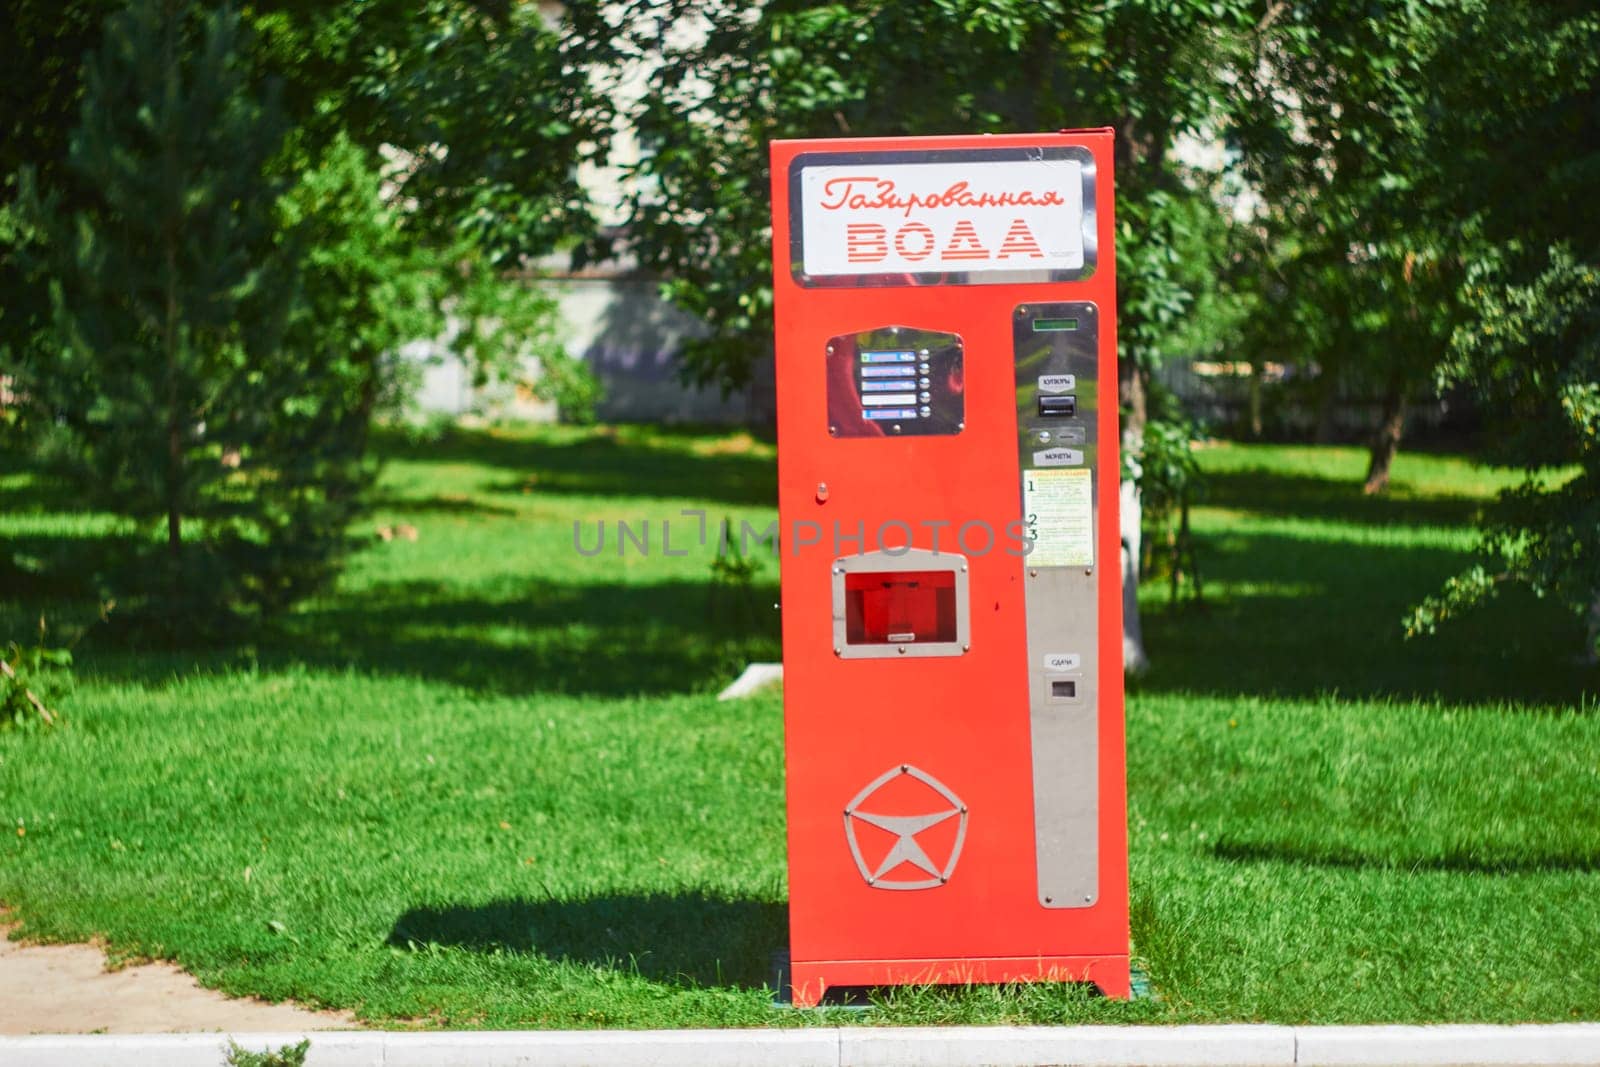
(1019, 242)
(964, 243)
(914, 242)
(868, 192)
(923, 236)
(840, 189)
(865, 242)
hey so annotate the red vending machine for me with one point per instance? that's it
(952, 623)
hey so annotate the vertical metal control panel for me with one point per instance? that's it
(1055, 349)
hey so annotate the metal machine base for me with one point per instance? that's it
(810, 981)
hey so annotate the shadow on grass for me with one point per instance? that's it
(440, 505)
(589, 639)
(689, 937)
(38, 495)
(1302, 617)
(607, 639)
(1314, 854)
(1305, 496)
(59, 575)
(624, 463)
(1288, 616)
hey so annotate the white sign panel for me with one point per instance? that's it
(974, 217)
(1058, 508)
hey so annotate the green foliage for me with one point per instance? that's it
(365, 289)
(1426, 171)
(169, 297)
(39, 104)
(33, 681)
(1514, 175)
(286, 1056)
(430, 148)
(217, 333)
(1152, 69)
(483, 113)
(1459, 593)
(1535, 348)
(371, 284)
(503, 326)
(1170, 481)
(733, 563)
(1169, 470)
(1345, 272)
(483, 110)
(1171, 247)
(734, 569)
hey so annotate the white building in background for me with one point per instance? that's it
(616, 322)
(614, 319)
(611, 316)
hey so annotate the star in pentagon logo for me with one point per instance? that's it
(905, 830)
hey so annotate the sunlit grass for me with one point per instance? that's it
(486, 782)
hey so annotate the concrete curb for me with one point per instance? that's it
(1563, 1045)
(1448, 1046)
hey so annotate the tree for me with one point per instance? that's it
(485, 109)
(1536, 350)
(729, 77)
(479, 114)
(1516, 145)
(1332, 123)
(306, 188)
(193, 386)
(485, 114)
(38, 108)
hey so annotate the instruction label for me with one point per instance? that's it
(1058, 508)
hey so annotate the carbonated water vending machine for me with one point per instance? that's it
(952, 613)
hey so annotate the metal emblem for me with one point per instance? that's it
(943, 805)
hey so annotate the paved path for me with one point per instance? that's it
(66, 989)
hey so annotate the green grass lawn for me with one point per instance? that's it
(487, 782)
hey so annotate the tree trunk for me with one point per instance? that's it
(174, 480)
(1386, 442)
(1255, 400)
(1134, 659)
(169, 339)
(1327, 400)
(174, 512)
(1591, 654)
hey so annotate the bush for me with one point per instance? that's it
(32, 682)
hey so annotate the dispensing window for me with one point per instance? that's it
(900, 607)
(911, 602)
